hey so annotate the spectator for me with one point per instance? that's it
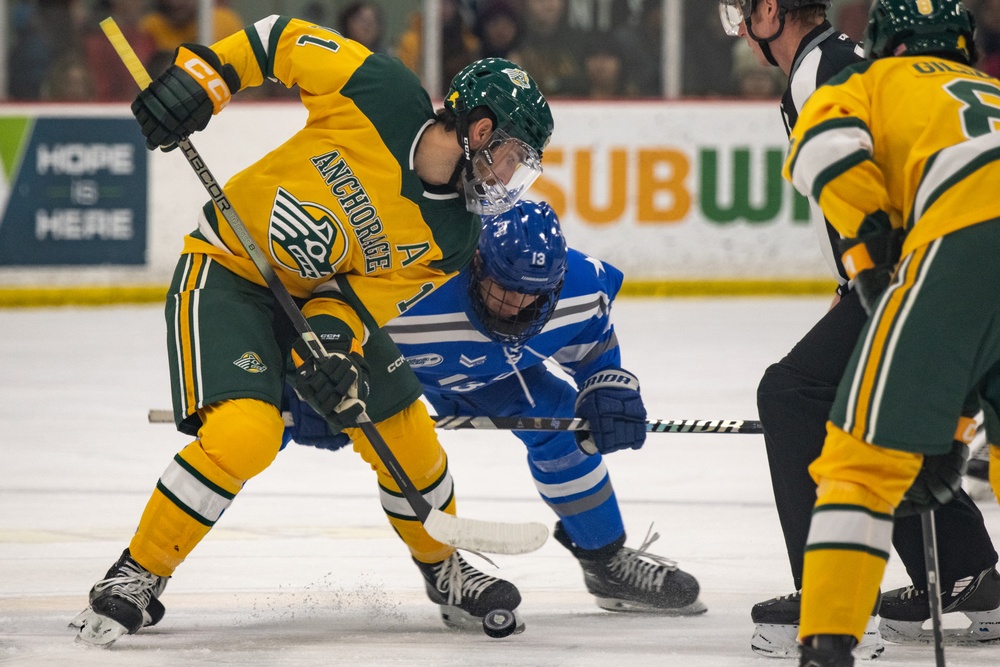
(602, 67)
(459, 45)
(43, 33)
(363, 22)
(498, 27)
(111, 80)
(852, 18)
(987, 14)
(641, 44)
(551, 50)
(175, 22)
(69, 80)
(708, 53)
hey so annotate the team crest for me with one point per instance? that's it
(251, 363)
(304, 237)
(518, 77)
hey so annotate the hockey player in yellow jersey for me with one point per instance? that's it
(902, 152)
(368, 208)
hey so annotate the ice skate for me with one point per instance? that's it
(977, 477)
(777, 629)
(124, 602)
(465, 594)
(905, 610)
(828, 651)
(636, 580)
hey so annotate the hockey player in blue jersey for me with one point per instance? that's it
(479, 345)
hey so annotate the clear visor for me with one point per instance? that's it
(731, 15)
(502, 171)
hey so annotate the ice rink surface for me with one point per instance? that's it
(303, 569)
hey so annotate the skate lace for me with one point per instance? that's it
(459, 580)
(629, 565)
(132, 582)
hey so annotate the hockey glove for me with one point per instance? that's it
(937, 483)
(307, 427)
(336, 386)
(610, 401)
(182, 99)
(870, 258)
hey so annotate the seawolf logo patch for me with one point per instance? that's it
(251, 363)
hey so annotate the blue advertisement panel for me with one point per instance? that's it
(73, 192)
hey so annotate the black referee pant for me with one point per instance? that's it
(793, 402)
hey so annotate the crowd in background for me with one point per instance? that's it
(582, 49)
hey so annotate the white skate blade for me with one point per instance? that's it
(984, 627)
(457, 618)
(97, 630)
(485, 536)
(618, 604)
(81, 618)
(782, 641)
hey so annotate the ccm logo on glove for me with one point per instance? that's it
(207, 78)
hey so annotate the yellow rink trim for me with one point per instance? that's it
(106, 295)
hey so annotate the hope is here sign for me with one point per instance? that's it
(72, 192)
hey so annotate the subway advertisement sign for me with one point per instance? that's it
(73, 192)
(680, 190)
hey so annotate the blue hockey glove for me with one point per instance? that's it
(336, 387)
(183, 99)
(308, 428)
(938, 481)
(871, 257)
(610, 401)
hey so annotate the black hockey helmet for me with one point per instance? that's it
(734, 12)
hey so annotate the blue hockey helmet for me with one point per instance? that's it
(518, 272)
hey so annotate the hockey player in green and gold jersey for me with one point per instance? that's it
(902, 152)
(369, 207)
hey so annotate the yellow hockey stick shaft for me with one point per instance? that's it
(125, 52)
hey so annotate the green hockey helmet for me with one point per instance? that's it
(496, 175)
(913, 27)
(507, 91)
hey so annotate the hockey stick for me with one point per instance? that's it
(740, 426)
(933, 584)
(470, 534)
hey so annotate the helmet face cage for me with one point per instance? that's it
(518, 272)
(901, 27)
(501, 172)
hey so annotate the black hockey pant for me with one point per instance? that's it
(793, 401)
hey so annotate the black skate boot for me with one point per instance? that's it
(777, 629)
(125, 601)
(905, 610)
(979, 463)
(465, 594)
(623, 579)
(827, 651)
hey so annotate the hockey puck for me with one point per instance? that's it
(499, 623)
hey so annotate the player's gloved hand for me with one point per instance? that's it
(336, 386)
(182, 99)
(307, 427)
(870, 258)
(610, 401)
(937, 483)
